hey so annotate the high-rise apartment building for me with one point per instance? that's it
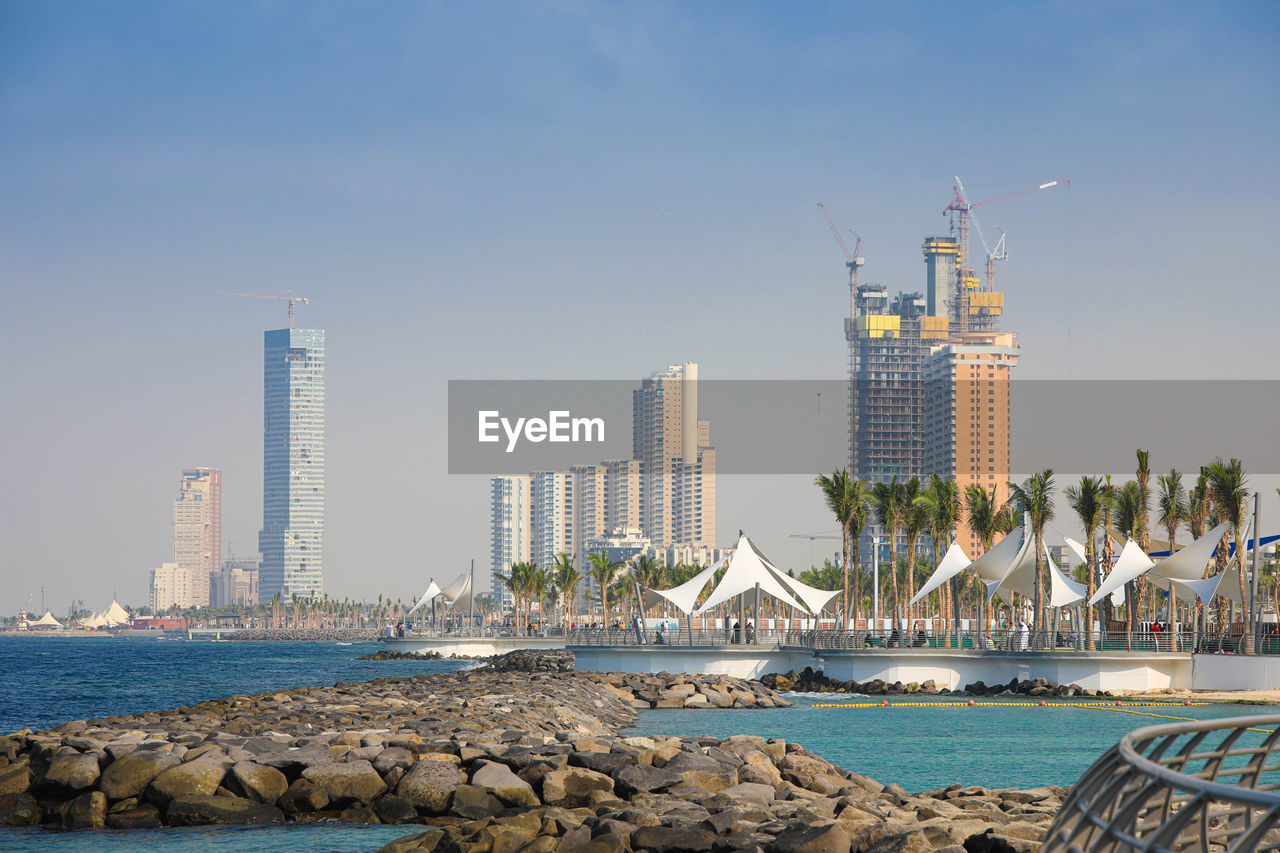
(292, 535)
(677, 461)
(590, 489)
(197, 533)
(235, 584)
(551, 502)
(170, 586)
(622, 494)
(511, 532)
(968, 431)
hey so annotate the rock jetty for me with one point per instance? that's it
(491, 761)
(811, 681)
(390, 654)
(344, 635)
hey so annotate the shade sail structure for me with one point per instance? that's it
(745, 570)
(45, 621)
(97, 620)
(1189, 563)
(992, 567)
(953, 563)
(458, 593)
(115, 615)
(1021, 577)
(1077, 550)
(684, 596)
(1131, 565)
(432, 592)
(815, 598)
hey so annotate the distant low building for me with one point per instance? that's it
(236, 583)
(170, 587)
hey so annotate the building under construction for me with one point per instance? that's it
(902, 425)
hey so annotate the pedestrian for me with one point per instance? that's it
(1024, 635)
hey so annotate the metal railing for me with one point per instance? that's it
(1193, 786)
(683, 637)
(1007, 640)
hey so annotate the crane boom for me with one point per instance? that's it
(288, 297)
(847, 255)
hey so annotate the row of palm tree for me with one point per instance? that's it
(1122, 511)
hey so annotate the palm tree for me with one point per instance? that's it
(565, 577)
(1230, 492)
(915, 519)
(986, 516)
(1142, 532)
(1173, 511)
(1085, 499)
(838, 495)
(1108, 549)
(647, 572)
(940, 504)
(604, 571)
(886, 500)
(1035, 496)
(1126, 501)
(859, 494)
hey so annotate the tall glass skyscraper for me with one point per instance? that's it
(292, 535)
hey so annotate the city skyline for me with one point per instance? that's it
(570, 193)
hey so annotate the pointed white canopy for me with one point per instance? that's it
(685, 596)
(745, 571)
(1189, 563)
(458, 593)
(46, 621)
(1132, 564)
(115, 615)
(1077, 550)
(1021, 577)
(432, 592)
(97, 620)
(953, 563)
(995, 564)
(815, 598)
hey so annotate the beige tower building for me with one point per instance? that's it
(551, 510)
(673, 447)
(197, 533)
(968, 424)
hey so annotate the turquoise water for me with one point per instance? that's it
(44, 682)
(925, 748)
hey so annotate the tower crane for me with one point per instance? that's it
(288, 297)
(960, 209)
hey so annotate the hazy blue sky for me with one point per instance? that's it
(566, 189)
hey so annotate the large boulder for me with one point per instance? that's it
(347, 783)
(87, 811)
(429, 785)
(472, 802)
(201, 777)
(303, 797)
(671, 838)
(130, 775)
(812, 838)
(199, 810)
(260, 784)
(498, 780)
(571, 786)
(70, 773)
(19, 810)
(145, 816)
(15, 779)
(644, 779)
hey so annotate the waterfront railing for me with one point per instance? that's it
(1189, 786)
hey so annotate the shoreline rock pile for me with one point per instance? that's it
(811, 681)
(391, 654)
(491, 761)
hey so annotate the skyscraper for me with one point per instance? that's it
(197, 533)
(292, 535)
(969, 417)
(510, 540)
(677, 461)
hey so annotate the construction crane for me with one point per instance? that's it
(960, 209)
(288, 297)
(813, 536)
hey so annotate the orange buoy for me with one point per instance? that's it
(1119, 703)
(1187, 702)
(971, 703)
(885, 703)
(1041, 703)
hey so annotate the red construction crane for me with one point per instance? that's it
(288, 297)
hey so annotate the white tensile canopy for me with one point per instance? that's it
(432, 592)
(45, 621)
(994, 565)
(1117, 597)
(953, 563)
(1132, 564)
(684, 596)
(97, 620)
(115, 615)
(458, 593)
(745, 571)
(1186, 569)
(1021, 576)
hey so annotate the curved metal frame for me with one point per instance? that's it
(1159, 790)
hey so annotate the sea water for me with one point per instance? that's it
(48, 681)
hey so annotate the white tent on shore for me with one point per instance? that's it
(458, 593)
(45, 621)
(431, 592)
(115, 616)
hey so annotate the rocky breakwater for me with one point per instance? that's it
(389, 750)
(811, 681)
(389, 654)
